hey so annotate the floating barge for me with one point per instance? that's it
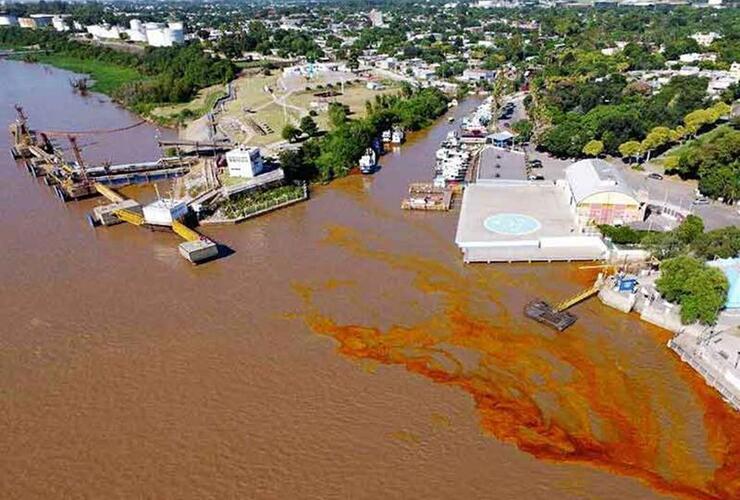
(541, 311)
(427, 197)
(558, 317)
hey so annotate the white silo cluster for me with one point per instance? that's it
(136, 31)
(161, 35)
(154, 34)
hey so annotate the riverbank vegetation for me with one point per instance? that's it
(685, 278)
(339, 150)
(107, 77)
(163, 75)
(699, 289)
(688, 238)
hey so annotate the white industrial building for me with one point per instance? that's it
(244, 162)
(59, 23)
(599, 194)
(104, 31)
(8, 20)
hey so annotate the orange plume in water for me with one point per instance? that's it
(554, 397)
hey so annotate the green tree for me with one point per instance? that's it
(699, 289)
(308, 126)
(524, 129)
(337, 114)
(657, 137)
(290, 132)
(593, 148)
(690, 229)
(630, 149)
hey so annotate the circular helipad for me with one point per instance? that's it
(512, 224)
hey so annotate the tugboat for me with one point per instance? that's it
(368, 161)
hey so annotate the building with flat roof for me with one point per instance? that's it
(526, 222)
(502, 139)
(599, 194)
(244, 162)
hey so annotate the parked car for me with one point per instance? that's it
(535, 177)
(535, 164)
(701, 201)
(655, 176)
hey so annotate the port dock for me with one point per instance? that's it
(162, 213)
(42, 157)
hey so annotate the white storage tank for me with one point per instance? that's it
(176, 32)
(162, 212)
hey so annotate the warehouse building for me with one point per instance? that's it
(599, 194)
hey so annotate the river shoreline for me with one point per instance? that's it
(336, 322)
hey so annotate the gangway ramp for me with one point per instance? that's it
(579, 297)
(185, 232)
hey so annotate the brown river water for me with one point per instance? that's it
(342, 351)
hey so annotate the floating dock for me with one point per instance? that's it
(427, 197)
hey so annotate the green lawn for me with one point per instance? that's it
(108, 77)
(199, 106)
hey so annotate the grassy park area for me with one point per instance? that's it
(256, 106)
(202, 104)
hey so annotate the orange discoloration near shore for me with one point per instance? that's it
(552, 396)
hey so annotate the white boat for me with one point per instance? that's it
(398, 136)
(368, 161)
(451, 119)
(387, 136)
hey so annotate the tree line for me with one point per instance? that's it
(169, 74)
(338, 151)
